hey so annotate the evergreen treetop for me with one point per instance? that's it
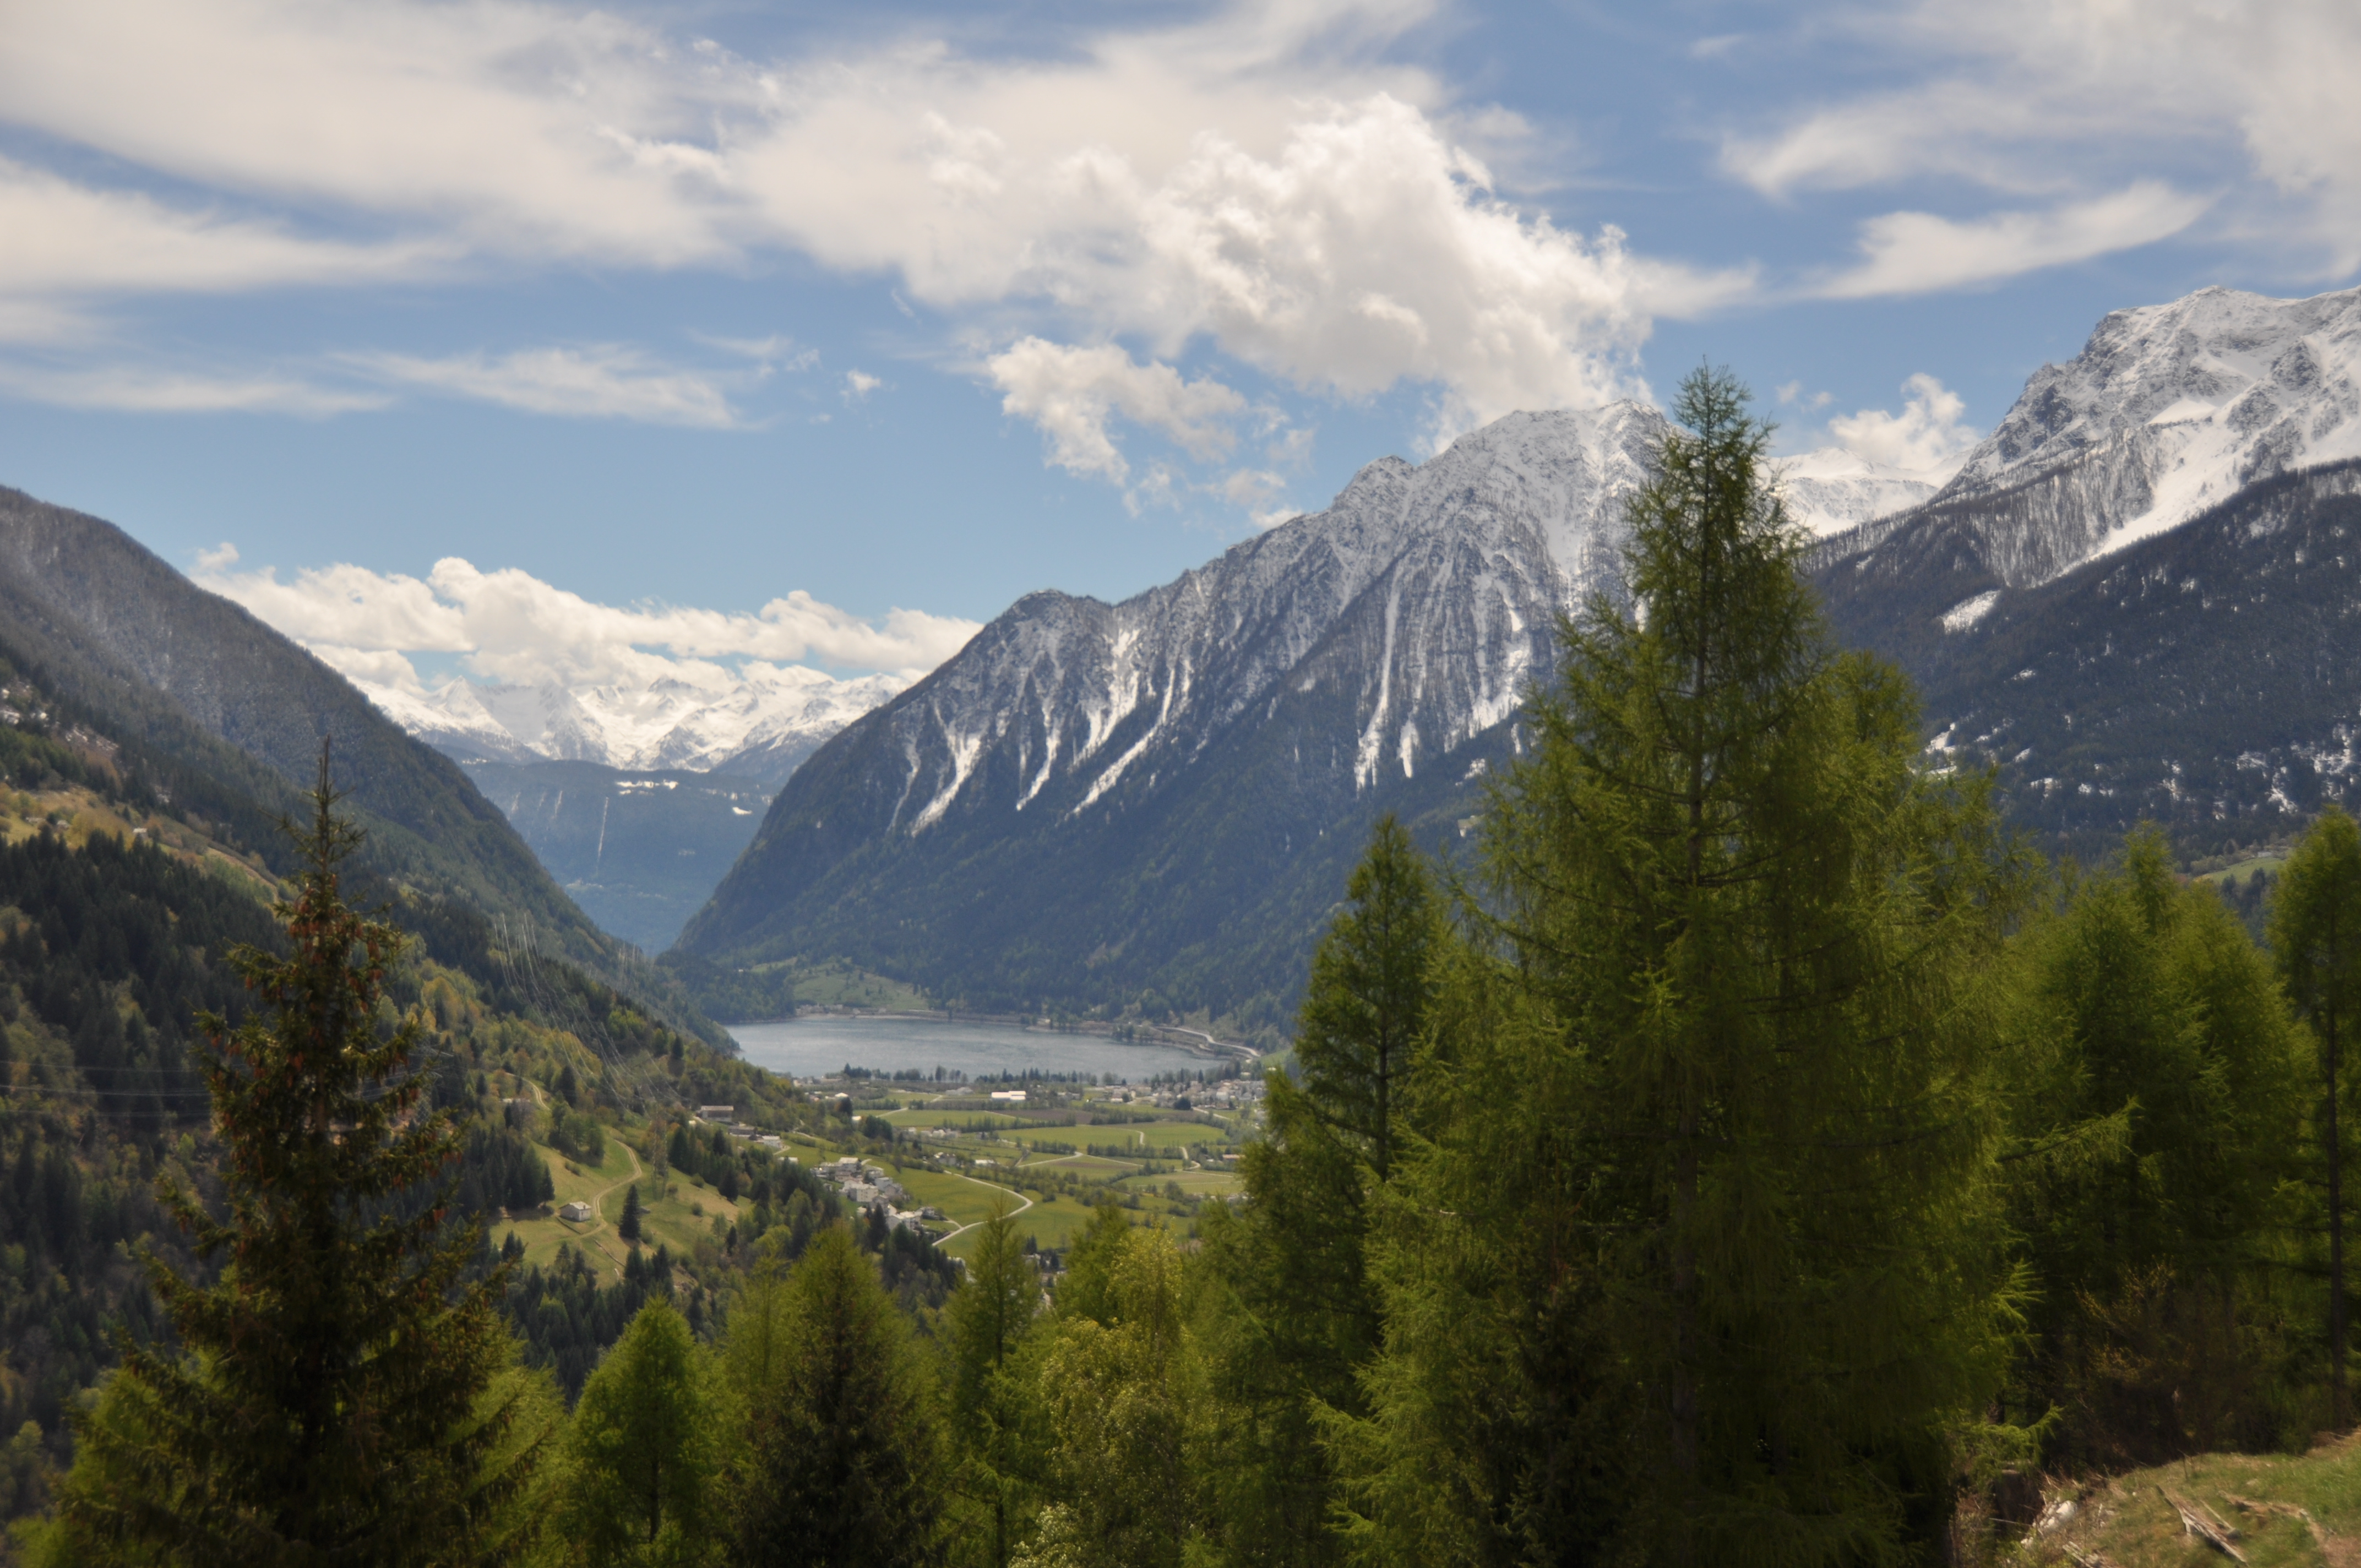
(339, 1396)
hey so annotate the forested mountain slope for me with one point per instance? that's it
(2208, 678)
(224, 713)
(638, 850)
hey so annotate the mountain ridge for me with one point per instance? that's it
(1368, 656)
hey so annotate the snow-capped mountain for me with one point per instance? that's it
(1833, 489)
(760, 726)
(2168, 411)
(1370, 654)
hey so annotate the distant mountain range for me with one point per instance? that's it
(760, 727)
(1154, 804)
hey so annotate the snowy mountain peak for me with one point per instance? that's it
(1832, 489)
(2170, 410)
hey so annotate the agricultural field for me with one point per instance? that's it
(674, 1219)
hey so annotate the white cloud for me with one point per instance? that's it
(1928, 438)
(513, 627)
(68, 239)
(1261, 179)
(1911, 253)
(858, 385)
(147, 389)
(2033, 96)
(597, 381)
(1071, 393)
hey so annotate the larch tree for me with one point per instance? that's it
(990, 1317)
(2315, 930)
(644, 1451)
(341, 1394)
(1288, 1316)
(1704, 1257)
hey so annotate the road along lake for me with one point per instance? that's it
(809, 1048)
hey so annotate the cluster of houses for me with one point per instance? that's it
(866, 1186)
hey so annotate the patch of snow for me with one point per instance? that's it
(1967, 611)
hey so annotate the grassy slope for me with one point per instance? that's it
(2290, 1511)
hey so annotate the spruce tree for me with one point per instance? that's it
(628, 1227)
(338, 1393)
(2315, 926)
(1704, 1257)
(844, 1467)
(645, 1450)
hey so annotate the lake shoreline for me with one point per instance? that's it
(1174, 1035)
(821, 1042)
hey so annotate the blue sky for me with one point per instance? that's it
(655, 317)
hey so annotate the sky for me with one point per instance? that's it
(533, 341)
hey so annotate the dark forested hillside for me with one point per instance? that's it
(226, 715)
(2208, 678)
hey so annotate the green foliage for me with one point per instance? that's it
(337, 1391)
(732, 995)
(644, 1451)
(2155, 1116)
(1702, 1258)
(1115, 1385)
(1288, 1318)
(628, 1226)
(2315, 924)
(1368, 998)
(989, 1319)
(842, 1461)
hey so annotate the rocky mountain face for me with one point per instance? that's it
(2168, 411)
(2139, 596)
(760, 726)
(1095, 803)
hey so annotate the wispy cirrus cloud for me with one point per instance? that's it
(2068, 100)
(595, 381)
(131, 388)
(1915, 253)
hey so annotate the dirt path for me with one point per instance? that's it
(996, 1188)
(598, 1212)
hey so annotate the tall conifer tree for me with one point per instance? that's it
(1289, 1316)
(991, 1316)
(844, 1467)
(2316, 931)
(645, 1451)
(1704, 1257)
(339, 1395)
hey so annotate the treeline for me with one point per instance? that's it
(1753, 1158)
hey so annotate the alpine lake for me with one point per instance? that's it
(819, 1044)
